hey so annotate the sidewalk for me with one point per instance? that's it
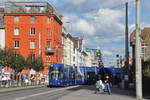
(87, 93)
(19, 88)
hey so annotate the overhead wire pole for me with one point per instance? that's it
(126, 51)
(138, 52)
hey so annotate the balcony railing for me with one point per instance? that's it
(49, 51)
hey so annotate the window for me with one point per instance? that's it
(143, 50)
(48, 44)
(32, 57)
(16, 19)
(48, 31)
(74, 59)
(16, 44)
(32, 19)
(32, 44)
(48, 20)
(32, 31)
(16, 31)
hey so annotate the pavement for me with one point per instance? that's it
(88, 93)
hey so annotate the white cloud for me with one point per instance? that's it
(74, 2)
(107, 53)
(131, 28)
(77, 25)
(82, 26)
(108, 21)
(104, 25)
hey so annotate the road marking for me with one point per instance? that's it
(29, 96)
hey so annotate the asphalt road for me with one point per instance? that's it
(42, 93)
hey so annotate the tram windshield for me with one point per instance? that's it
(55, 73)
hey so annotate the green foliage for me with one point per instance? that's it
(38, 64)
(1, 57)
(19, 63)
(29, 62)
(6, 57)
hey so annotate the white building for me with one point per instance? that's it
(2, 31)
(80, 57)
(2, 38)
(68, 48)
(89, 59)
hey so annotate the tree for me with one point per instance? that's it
(99, 55)
(38, 64)
(1, 57)
(6, 57)
(29, 61)
(19, 63)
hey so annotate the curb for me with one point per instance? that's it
(19, 88)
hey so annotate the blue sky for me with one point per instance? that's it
(100, 22)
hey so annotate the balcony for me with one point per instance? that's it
(49, 51)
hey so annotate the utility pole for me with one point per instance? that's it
(126, 74)
(126, 35)
(138, 52)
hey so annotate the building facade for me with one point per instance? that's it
(68, 48)
(31, 28)
(145, 41)
(80, 56)
(89, 58)
(2, 29)
(94, 57)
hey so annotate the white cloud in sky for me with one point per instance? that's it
(74, 2)
(103, 25)
(107, 21)
(107, 53)
(83, 27)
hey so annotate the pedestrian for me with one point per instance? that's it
(99, 85)
(107, 84)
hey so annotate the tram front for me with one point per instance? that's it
(56, 75)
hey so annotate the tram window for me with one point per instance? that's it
(60, 75)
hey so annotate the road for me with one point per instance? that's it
(82, 92)
(42, 93)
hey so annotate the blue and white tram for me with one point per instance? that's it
(60, 75)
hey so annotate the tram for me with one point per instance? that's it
(63, 75)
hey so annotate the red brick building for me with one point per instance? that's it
(145, 34)
(31, 28)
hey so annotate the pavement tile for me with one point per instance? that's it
(89, 94)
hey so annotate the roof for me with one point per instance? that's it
(31, 7)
